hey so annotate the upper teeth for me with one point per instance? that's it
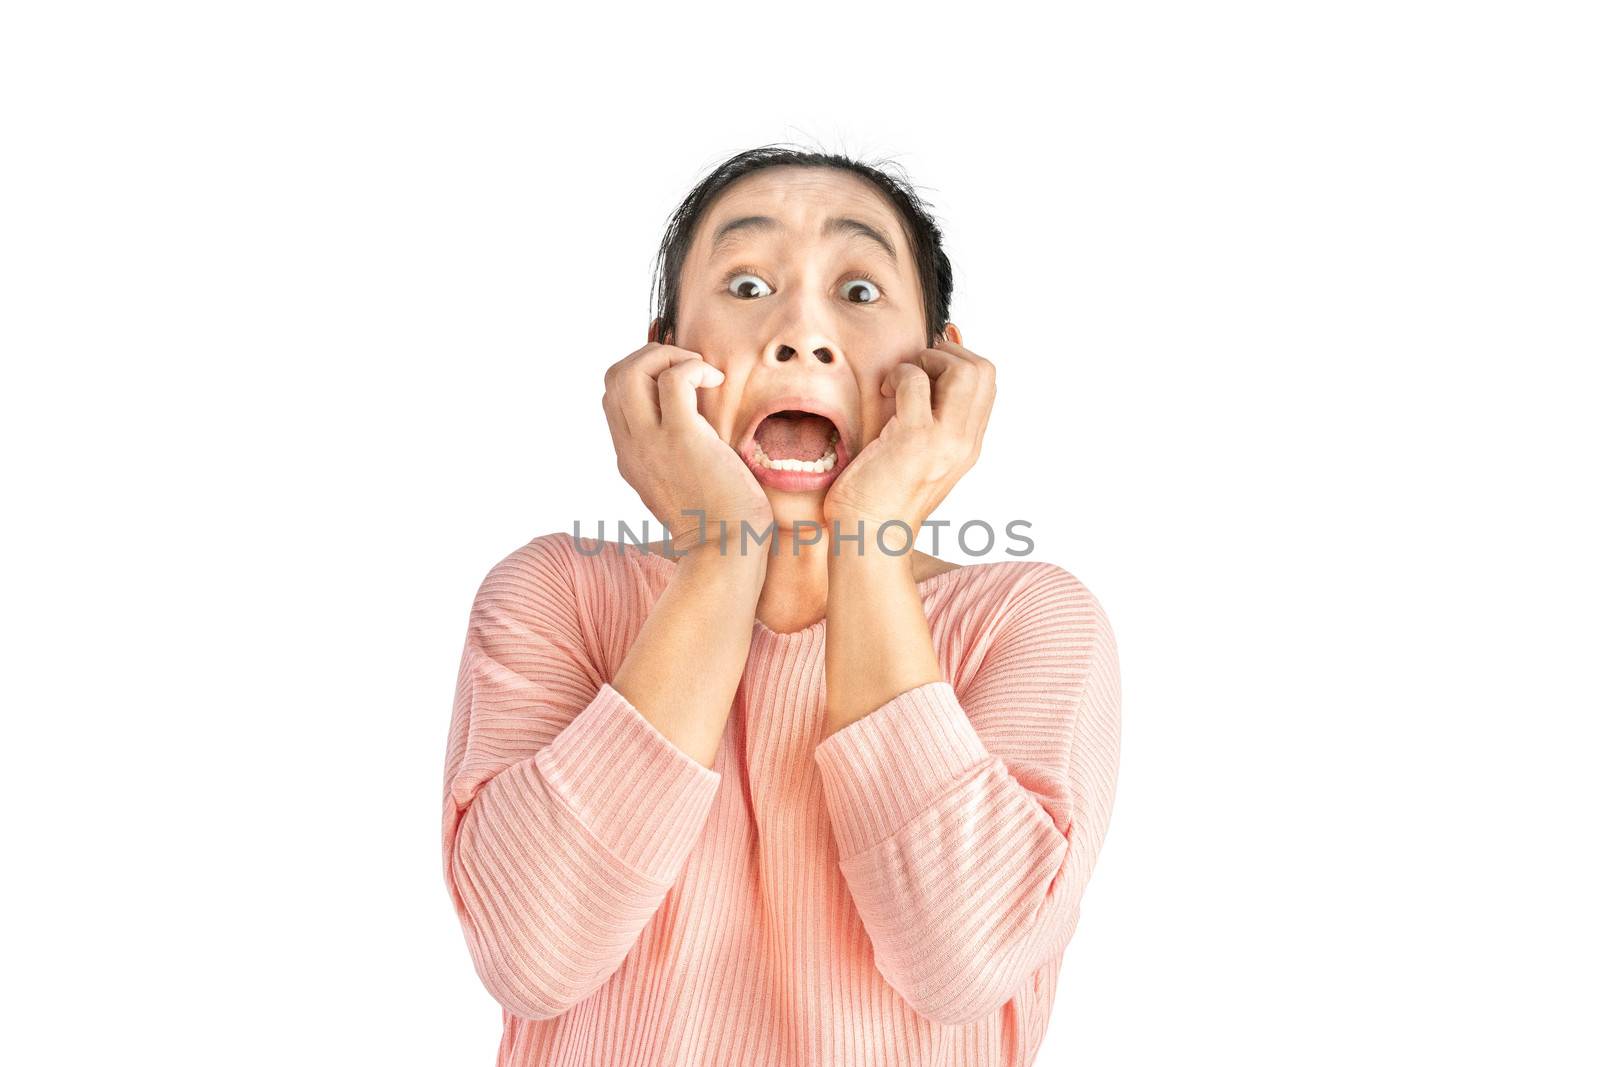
(812, 466)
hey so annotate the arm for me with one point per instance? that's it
(569, 809)
(684, 667)
(967, 826)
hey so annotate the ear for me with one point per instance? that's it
(952, 332)
(655, 328)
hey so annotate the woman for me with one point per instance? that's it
(668, 839)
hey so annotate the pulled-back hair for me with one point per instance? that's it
(921, 232)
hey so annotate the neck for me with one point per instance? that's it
(795, 593)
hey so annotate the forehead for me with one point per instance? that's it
(803, 201)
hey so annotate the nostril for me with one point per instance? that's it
(785, 353)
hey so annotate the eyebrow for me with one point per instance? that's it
(838, 224)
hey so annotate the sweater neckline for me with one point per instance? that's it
(924, 586)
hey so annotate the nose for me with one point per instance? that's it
(804, 337)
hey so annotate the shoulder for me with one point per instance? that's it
(1054, 608)
(1024, 611)
(1029, 644)
(531, 586)
(1026, 593)
(590, 574)
(543, 564)
(1051, 588)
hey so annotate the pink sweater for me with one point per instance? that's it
(900, 893)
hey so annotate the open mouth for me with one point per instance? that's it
(796, 448)
(795, 440)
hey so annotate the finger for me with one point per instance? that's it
(621, 439)
(637, 383)
(912, 391)
(984, 367)
(678, 396)
(621, 435)
(973, 382)
(955, 384)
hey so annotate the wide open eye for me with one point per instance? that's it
(859, 285)
(747, 286)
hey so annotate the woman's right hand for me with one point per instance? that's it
(671, 455)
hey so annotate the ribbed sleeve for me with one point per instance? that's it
(623, 779)
(883, 770)
(967, 867)
(567, 815)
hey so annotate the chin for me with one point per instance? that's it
(790, 508)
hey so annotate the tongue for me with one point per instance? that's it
(803, 437)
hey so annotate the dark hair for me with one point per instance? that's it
(922, 233)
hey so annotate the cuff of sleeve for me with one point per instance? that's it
(881, 771)
(641, 796)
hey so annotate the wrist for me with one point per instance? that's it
(868, 563)
(713, 536)
(712, 558)
(865, 536)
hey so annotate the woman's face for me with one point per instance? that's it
(800, 287)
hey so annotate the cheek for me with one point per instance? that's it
(730, 350)
(706, 328)
(713, 404)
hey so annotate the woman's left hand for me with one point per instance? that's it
(942, 400)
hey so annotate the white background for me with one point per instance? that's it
(305, 309)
